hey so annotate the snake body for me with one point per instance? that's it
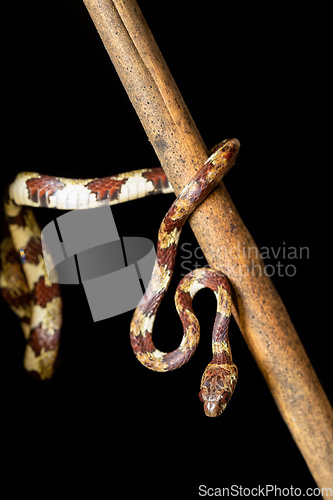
(220, 376)
(25, 285)
(24, 281)
(27, 289)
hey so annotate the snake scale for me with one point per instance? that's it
(37, 301)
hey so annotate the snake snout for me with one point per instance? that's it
(214, 408)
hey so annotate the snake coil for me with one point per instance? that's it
(25, 285)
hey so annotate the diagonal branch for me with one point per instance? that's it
(263, 319)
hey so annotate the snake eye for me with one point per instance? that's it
(225, 397)
(200, 397)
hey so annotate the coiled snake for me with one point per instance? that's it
(26, 287)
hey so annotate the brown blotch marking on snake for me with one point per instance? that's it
(158, 178)
(142, 343)
(184, 298)
(166, 256)
(33, 251)
(17, 295)
(11, 257)
(221, 326)
(169, 224)
(41, 188)
(176, 358)
(41, 339)
(44, 294)
(149, 306)
(106, 188)
(213, 281)
(16, 301)
(178, 212)
(17, 220)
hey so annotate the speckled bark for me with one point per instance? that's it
(263, 319)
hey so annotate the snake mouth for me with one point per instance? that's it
(214, 408)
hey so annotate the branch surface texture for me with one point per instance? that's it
(261, 316)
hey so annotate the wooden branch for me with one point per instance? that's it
(224, 239)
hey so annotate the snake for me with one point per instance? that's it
(26, 287)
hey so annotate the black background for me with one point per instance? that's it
(105, 423)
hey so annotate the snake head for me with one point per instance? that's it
(217, 385)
